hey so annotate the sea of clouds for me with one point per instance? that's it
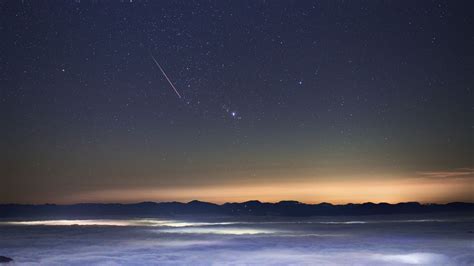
(252, 241)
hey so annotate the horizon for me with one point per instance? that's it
(241, 202)
(433, 187)
(425, 187)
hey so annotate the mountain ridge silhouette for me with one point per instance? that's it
(252, 207)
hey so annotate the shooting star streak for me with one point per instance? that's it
(166, 76)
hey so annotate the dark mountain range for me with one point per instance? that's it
(257, 208)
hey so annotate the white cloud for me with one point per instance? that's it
(308, 242)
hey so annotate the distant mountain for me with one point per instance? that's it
(257, 208)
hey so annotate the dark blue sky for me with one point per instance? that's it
(273, 93)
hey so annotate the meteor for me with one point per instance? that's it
(166, 76)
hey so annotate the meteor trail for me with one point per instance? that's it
(166, 76)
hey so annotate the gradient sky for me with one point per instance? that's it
(339, 101)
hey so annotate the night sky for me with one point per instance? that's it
(338, 101)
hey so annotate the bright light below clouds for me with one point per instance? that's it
(168, 226)
(220, 231)
(117, 222)
(291, 241)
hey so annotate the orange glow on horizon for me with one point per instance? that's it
(391, 190)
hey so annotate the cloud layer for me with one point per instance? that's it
(374, 241)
